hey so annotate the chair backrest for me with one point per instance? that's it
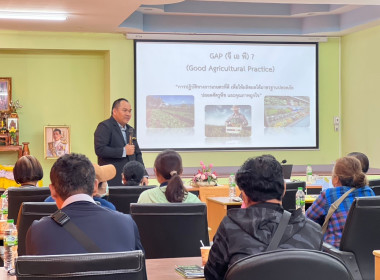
(289, 199)
(29, 212)
(375, 185)
(171, 230)
(295, 264)
(374, 182)
(94, 266)
(16, 196)
(123, 196)
(361, 233)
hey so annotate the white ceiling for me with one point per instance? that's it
(253, 17)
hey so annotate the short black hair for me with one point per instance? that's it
(116, 103)
(261, 178)
(133, 172)
(27, 169)
(72, 174)
(57, 129)
(363, 160)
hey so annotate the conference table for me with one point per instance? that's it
(204, 192)
(376, 254)
(157, 269)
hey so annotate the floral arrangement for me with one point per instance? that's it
(13, 135)
(205, 175)
(14, 106)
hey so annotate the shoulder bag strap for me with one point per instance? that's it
(333, 207)
(64, 221)
(279, 231)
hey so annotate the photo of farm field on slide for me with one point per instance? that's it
(287, 111)
(169, 111)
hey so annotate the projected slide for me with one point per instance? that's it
(202, 95)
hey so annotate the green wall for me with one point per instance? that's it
(360, 93)
(72, 78)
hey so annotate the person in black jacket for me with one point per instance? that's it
(245, 232)
(115, 142)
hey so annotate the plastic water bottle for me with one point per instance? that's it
(309, 174)
(232, 186)
(300, 199)
(10, 245)
(4, 207)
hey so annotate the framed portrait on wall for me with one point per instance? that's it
(56, 141)
(12, 122)
(5, 94)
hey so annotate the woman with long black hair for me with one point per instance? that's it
(168, 168)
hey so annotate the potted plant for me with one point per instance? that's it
(205, 176)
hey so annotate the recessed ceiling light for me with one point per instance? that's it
(32, 15)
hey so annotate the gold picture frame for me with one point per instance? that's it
(5, 94)
(12, 122)
(56, 141)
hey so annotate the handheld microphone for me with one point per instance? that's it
(130, 132)
(284, 161)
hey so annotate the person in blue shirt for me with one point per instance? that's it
(347, 174)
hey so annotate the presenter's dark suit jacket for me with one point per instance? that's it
(110, 230)
(109, 145)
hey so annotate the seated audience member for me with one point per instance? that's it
(27, 172)
(102, 174)
(72, 184)
(363, 160)
(168, 168)
(246, 232)
(347, 175)
(133, 173)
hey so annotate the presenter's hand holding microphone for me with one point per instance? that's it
(130, 148)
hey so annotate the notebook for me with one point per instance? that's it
(190, 271)
(287, 170)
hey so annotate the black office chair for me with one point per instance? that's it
(289, 199)
(16, 196)
(360, 237)
(171, 230)
(375, 185)
(94, 266)
(123, 196)
(295, 264)
(29, 212)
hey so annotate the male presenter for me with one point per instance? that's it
(115, 142)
